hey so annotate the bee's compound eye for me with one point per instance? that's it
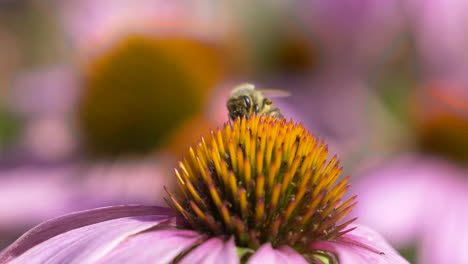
(247, 101)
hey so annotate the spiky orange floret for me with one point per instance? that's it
(263, 180)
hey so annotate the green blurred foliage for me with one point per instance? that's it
(9, 128)
(409, 254)
(396, 76)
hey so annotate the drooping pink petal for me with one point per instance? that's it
(362, 245)
(284, 254)
(159, 246)
(90, 243)
(213, 251)
(68, 223)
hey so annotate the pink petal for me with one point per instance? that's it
(153, 247)
(90, 243)
(267, 254)
(362, 245)
(213, 251)
(55, 227)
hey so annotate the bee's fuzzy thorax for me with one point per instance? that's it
(263, 180)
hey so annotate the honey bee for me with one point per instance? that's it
(245, 100)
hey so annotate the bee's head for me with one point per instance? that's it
(239, 106)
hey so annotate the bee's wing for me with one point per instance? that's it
(274, 93)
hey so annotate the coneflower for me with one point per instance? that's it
(263, 181)
(260, 190)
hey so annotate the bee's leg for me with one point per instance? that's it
(266, 101)
(275, 112)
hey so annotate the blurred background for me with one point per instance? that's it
(99, 99)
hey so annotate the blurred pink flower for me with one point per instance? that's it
(425, 202)
(37, 193)
(150, 234)
(45, 99)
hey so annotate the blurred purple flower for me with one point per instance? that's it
(150, 234)
(425, 201)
